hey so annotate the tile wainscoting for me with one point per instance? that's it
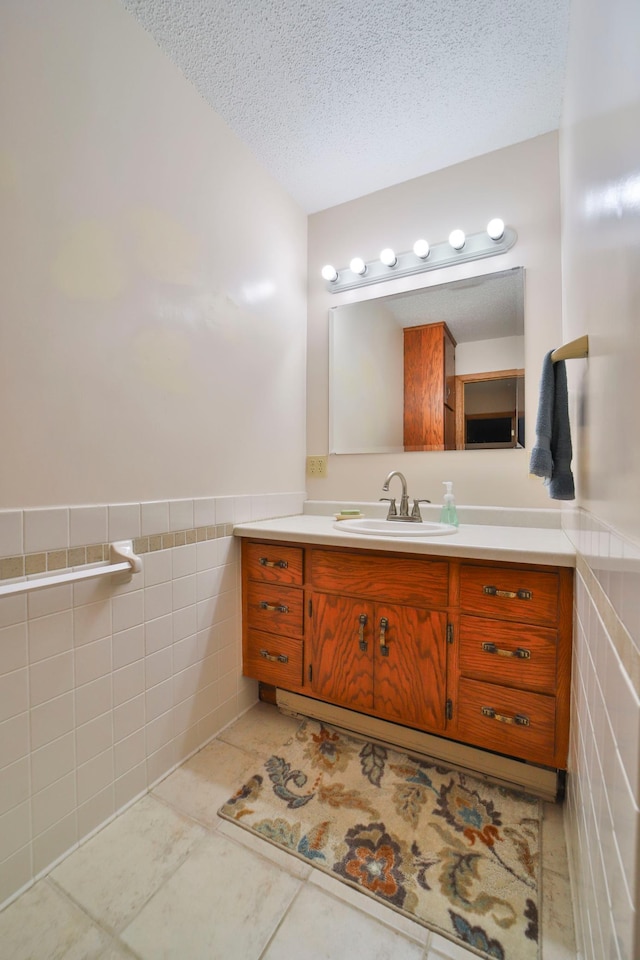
(602, 813)
(104, 689)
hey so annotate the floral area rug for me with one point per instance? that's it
(452, 852)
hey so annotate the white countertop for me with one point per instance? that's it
(519, 544)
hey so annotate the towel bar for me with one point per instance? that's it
(574, 350)
(123, 560)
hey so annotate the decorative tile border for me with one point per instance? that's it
(32, 563)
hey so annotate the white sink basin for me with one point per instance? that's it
(395, 528)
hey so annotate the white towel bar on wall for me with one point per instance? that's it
(123, 560)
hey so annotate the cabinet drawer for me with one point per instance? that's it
(274, 660)
(273, 563)
(422, 583)
(488, 714)
(275, 609)
(508, 653)
(509, 594)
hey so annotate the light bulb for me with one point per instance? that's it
(388, 257)
(457, 239)
(329, 273)
(358, 265)
(421, 249)
(495, 228)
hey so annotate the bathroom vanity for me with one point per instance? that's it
(464, 637)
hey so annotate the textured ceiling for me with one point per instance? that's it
(338, 98)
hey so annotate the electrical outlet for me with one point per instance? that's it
(316, 466)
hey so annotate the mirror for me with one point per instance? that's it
(441, 368)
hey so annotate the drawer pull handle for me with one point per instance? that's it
(519, 719)
(278, 608)
(362, 622)
(508, 594)
(521, 653)
(273, 563)
(384, 626)
(276, 658)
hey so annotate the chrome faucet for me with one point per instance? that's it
(393, 514)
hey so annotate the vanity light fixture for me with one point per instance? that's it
(329, 273)
(388, 257)
(495, 239)
(495, 228)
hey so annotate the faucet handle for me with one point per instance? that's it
(416, 508)
(393, 512)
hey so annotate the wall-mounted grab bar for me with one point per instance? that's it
(123, 560)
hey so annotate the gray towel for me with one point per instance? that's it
(551, 455)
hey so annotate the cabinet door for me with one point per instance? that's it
(342, 657)
(410, 665)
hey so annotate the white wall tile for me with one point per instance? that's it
(92, 660)
(204, 512)
(128, 646)
(129, 752)
(154, 517)
(13, 647)
(158, 601)
(53, 761)
(159, 732)
(184, 622)
(92, 699)
(158, 667)
(40, 603)
(88, 525)
(128, 717)
(181, 515)
(225, 512)
(14, 694)
(157, 567)
(130, 785)
(14, 739)
(52, 719)
(94, 737)
(124, 521)
(184, 592)
(91, 622)
(206, 554)
(55, 841)
(51, 635)
(13, 609)
(15, 829)
(50, 678)
(46, 529)
(14, 784)
(128, 682)
(158, 700)
(127, 610)
(158, 633)
(11, 544)
(96, 811)
(94, 776)
(56, 801)
(184, 560)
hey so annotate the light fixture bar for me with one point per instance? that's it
(476, 247)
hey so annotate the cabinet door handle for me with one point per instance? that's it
(521, 653)
(362, 622)
(384, 626)
(276, 658)
(519, 719)
(508, 594)
(278, 608)
(273, 563)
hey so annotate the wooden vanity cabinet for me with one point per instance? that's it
(378, 638)
(429, 388)
(475, 651)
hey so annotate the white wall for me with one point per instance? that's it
(152, 277)
(152, 380)
(520, 184)
(600, 166)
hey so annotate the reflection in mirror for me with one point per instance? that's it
(440, 368)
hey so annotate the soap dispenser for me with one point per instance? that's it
(449, 514)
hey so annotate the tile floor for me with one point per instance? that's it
(170, 879)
